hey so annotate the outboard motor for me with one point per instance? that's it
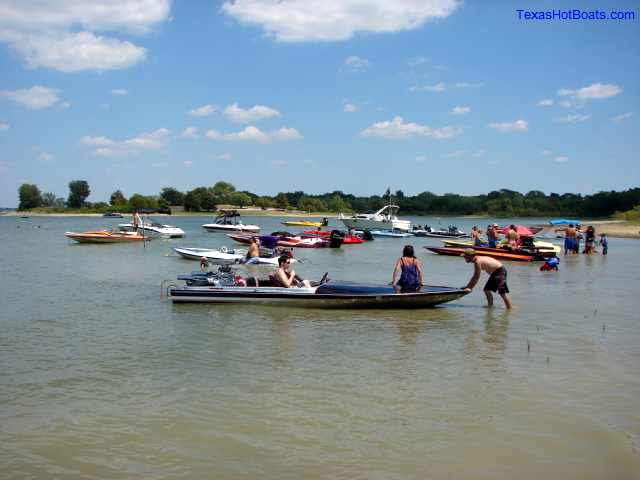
(367, 235)
(336, 238)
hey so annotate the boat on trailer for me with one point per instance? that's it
(216, 287)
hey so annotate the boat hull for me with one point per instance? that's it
(212, 227)
(105, 237)
(301, 223)
(457, 252)
(542, 247)
(340, 296)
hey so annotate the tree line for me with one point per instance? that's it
(496, 203)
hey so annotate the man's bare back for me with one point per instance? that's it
(487, 264)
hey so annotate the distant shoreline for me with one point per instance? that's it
(613, 228)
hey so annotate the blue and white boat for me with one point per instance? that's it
(395, 233)
(226, 287)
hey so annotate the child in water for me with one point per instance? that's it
(551, 264)
(604, 243)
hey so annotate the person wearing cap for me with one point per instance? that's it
(497, 276)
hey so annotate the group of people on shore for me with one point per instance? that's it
(573, 236)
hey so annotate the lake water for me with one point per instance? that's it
(102, 379)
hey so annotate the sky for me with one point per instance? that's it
(445, 96)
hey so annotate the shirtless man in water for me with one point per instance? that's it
(497, 276)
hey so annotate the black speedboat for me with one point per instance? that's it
(225, 287)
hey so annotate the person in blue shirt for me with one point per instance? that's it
(604, 243)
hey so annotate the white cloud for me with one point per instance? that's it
(279, 163)
(547, 102)
(460, 110)
(469, 85)
(189, 132)
(573, 118)
(505, 127)
(45, 157)
(107, 147)
(60, 34)
(96, 141)
(4, 126)
(119, 92)
(223, 156)
(561, 159)
(545, 153)
(203, 111)
(356, 64)
(397, 129)
(75, 52)
(350, 108)
(416, 61)
(286, 134)
(437, 88)
(34, 98)
(621, 118)
(187, 163)
(253, 114)
(335, 20)
(421, 158)
(595, 91)
(254, 134)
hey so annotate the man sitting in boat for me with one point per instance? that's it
(285, 278)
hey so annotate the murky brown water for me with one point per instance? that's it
(102, 379)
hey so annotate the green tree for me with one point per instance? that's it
(222, 191)
(198, 199)
(239, 198)
(281, 201)
(117, 199)
(48, 199)
(78, 193)
(312, 204)
(337, 204)
(172, 196)
(263, 202)
(139, 202)
(29, 196)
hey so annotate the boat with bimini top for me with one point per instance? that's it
(229, 221)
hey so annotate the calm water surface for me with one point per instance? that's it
(101, 378)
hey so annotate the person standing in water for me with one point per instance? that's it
(410, 269)
(497, 276)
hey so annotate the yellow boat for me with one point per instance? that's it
(305, 223)
(103, 236)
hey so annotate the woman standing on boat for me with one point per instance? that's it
(411, 278)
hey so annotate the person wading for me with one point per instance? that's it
(497, 276)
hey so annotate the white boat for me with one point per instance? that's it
(390, 233)
(383, 219)
(154, 228)
(223, 256)
(229, 221)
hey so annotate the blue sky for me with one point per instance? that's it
(356, 95)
